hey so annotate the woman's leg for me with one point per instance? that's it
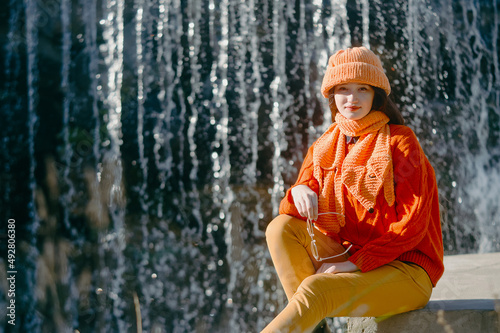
(290, 246)
(390, 289)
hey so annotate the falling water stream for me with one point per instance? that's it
(146, 144)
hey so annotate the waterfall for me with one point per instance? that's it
(146, 145)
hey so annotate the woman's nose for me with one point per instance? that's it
(352, 97)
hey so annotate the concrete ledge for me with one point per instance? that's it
(461, 304)
(466, 300)
(456, 316)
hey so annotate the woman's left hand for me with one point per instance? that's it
(338, 267)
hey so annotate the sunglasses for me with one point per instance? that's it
(314, 248)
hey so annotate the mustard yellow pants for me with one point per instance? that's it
(390, 289)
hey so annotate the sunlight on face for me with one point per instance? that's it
(354, 100)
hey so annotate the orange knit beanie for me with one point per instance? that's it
(357, 64)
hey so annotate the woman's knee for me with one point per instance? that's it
(278, 226)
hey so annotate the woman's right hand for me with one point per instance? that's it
(306, 201)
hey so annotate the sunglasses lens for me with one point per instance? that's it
(314, 250)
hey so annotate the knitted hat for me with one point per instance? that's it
(357, 64)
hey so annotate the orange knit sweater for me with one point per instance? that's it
(409, 230)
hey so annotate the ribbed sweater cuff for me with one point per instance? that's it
(364, 261)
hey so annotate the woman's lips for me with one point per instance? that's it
(352, 108)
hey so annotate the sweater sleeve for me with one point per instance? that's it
(416, 193)
(306, 177)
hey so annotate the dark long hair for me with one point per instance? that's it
(381, 102)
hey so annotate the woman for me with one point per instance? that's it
(359, 233)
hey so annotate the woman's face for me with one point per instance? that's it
(353, 100)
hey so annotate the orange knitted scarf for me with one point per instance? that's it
(364, 171)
